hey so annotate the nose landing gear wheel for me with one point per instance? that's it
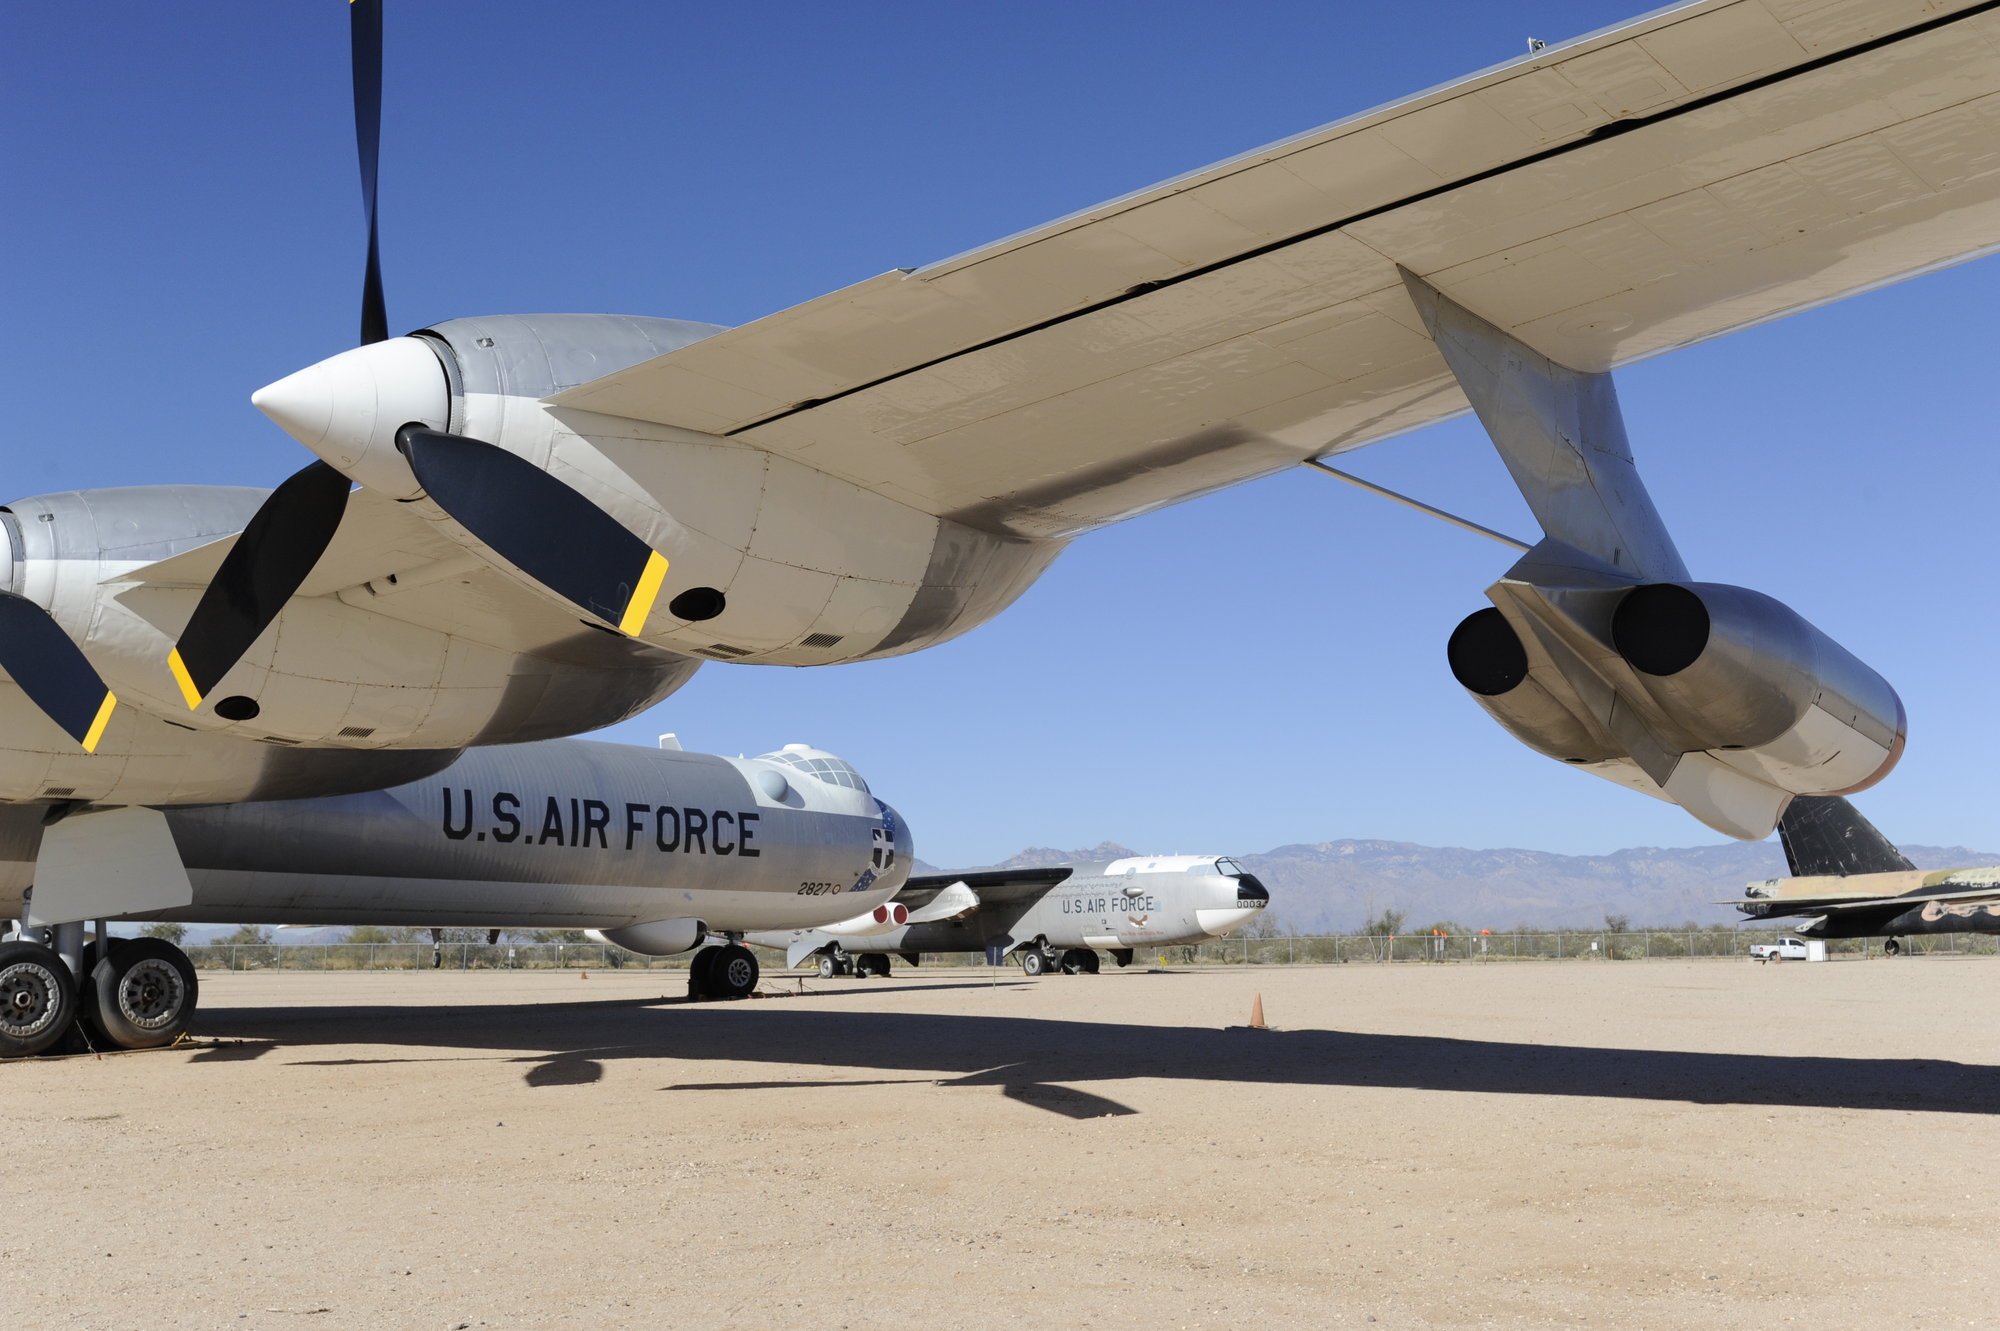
(141, 994)
(37, 999)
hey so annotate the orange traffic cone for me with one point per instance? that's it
(1257, 1013)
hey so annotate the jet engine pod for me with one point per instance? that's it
(657, 938)
(1744, 677)
(1487, 657)
(885, 917)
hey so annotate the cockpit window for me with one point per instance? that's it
(1228, 868)
(830, 770)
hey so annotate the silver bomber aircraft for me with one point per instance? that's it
(1053, 919)
(657, 851)
(522, 527)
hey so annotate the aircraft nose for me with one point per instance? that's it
(1237, 900)
(348, 408)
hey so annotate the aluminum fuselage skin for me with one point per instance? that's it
(556, 834)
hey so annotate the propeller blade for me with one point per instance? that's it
(540, 525)
(365, 31)
(271, 558)
(52, 671)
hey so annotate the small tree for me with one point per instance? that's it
(375, 933)
(254, 935)
(1617, 924)
(166, 931)
(1387, 924)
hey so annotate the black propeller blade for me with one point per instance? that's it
(365, 30)
(270, 559)
(52, 671)
(540, 525)
(278, 549)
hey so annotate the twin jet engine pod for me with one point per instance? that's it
(1710, 667)
(889, 915)
(1741, 672)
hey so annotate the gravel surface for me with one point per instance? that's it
(1645, 1145)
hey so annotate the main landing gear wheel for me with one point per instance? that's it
(872, 963)
(732, 972)
(1036, 962)
(37, 999)
(141, 994)
(830, 966)
(1079, 961)
(1891, 948)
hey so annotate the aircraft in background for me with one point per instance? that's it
(655, 850)
(1054, 918)
(1858, 885)
(559, 518)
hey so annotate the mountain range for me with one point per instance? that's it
(1336, 886)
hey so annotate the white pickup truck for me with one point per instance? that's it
(1785, 949)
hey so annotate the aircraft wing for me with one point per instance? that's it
(1695, 171)
(1823, 905)
(993, 887)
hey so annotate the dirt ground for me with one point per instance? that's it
(1657, 1144)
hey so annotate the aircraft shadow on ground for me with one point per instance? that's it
(1066, 1066)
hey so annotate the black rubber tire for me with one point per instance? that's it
(141, 995)
(732, 972)
(1034, 962)
(878, 963)
(698, 966)
(1091, 962)
(1073, 963)
(37, 999)
(829, 966)
(1891, 947)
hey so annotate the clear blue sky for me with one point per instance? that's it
(182, 225)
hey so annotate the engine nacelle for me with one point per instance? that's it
(657, 938)
(1745, 677)
(885, 917)
(1716, 698)
(1487, 658)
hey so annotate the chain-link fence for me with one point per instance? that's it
(1282, 950)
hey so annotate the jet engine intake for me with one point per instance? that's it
(885, 917)
(1487, 657)
(1745, 677)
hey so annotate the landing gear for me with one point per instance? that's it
(832, 964)
(37, 999)
(1891, 947)
(1079, 961)
(1122, 955)
(1037, 961)
(871, 963)
(729, 971)
(141, 994)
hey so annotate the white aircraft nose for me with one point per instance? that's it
(1216, 923)
(348, 408)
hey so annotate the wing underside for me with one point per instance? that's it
(1695, 171)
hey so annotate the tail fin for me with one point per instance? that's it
(1824, 834)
